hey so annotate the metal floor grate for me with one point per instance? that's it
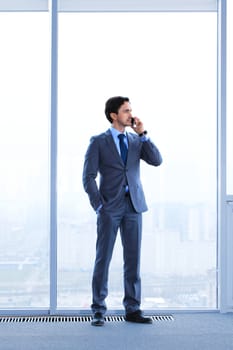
(82, 319)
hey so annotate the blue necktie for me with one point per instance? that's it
(123, 147)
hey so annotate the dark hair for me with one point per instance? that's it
(113, 104)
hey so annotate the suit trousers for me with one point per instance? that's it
(129, 222)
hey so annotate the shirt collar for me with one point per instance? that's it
(115, 132)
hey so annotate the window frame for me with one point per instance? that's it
(224, 267)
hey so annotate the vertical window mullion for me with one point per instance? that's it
(53, 160)
(222, 231)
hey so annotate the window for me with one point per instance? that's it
(24, 153)
(169, 71)
(166, 64)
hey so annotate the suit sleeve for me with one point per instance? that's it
(90, 171)
(150, 153)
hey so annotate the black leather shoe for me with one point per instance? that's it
(137, 317)
(98, 319)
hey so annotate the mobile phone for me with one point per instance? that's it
(132, 121)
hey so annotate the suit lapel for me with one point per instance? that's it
(130, 144)
(112, 146)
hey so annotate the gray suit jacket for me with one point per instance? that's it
(102, 157)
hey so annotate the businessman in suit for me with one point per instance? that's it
(119, 202)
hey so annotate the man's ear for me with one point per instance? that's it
(113, 116)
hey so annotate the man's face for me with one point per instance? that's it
(124, 115)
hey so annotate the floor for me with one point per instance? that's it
(188, 331)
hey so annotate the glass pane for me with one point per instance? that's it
(166, 64)
(229, 97)
(24, 154)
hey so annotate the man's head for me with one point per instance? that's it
(113, 105)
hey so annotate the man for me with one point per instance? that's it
(119, 202)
